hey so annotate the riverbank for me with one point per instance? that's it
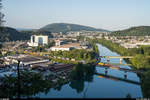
(140, 61)
(139, 54)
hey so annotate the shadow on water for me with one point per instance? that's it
(32, 84)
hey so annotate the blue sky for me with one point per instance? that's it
(106, 14)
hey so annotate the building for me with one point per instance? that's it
(37, 40)
(59, 42)
(61, 48)
(66, 47)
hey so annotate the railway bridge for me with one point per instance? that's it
(120, 57)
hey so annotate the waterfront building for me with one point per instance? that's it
(37, 40)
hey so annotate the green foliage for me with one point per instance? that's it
(10, 53)
(10, 34)
(30, 84)
(114, 47)
(63, 61)
(95, 47)
(146, 84)
(77, 54)
(134, 31)
(0, 50)
(0, 45)
(38, 32)
(43, 48)
(141, 62)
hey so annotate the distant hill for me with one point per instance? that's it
(133, 31)
(23, 29)
(11, 34)
(65, 27)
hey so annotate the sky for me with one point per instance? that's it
(105, 14)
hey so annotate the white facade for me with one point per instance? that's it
(37, 40)
(58, 42)
(59, 48)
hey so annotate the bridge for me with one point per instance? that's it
(117, 78)
(120, 64)
(120, 57)
(123, 69)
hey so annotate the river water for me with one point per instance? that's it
(99, 86)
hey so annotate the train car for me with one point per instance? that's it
(107, 65)
(101, 64)
(114, 67)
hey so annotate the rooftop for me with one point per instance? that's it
(67, 45)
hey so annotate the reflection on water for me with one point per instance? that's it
(96, 86)
(100, 86)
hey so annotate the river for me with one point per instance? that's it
(99, 86)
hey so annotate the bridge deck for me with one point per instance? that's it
(116, 56)
(124, 69)
(119, 64)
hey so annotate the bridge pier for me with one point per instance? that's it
(108, 59)
(125, 74)
(106, 71)
(121, 60)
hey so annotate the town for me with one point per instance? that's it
(35, 54)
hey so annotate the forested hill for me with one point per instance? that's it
(133, 31)
(65, 27)
(11, 34)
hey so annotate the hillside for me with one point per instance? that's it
(133, 31)
(37, 32)
(11, 34)
(65, 27)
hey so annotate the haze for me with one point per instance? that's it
(106, 14)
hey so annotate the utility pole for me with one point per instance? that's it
(18, 71)
(84, 93)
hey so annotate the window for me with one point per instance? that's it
(40, 41)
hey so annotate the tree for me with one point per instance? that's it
(146, 84)
(140, 61)
(0, 45)
(1, 15)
